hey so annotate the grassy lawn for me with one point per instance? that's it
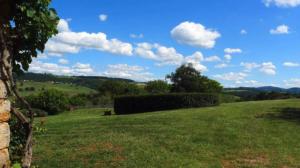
(247, 134)
(67, 88)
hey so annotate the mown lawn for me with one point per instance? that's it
(247, 134)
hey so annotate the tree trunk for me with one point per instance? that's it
(4, 118)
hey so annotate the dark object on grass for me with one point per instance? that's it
(107, 112)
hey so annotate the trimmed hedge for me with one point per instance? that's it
(148, 103)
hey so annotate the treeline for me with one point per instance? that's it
(253, 95)
(92, 82)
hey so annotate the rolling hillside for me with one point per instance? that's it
(246, 134)
(32, 87)
(88, 81)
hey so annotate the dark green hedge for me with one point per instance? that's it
(148, 103)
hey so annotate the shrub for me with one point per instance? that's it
(78, 100)
(51, 101)
(148, 103)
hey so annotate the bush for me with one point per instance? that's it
(78, 100)
(148, 103)
(51, 101)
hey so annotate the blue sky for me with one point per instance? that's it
(238, 43)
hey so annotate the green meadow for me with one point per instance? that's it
(246, 134)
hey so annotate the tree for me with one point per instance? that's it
(157, 86)
(188, 79)
(114, 88)
(25, 27)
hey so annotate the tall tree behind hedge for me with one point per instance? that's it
(25, 27)
(157, 86)
(188, 79)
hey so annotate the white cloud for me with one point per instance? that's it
(281, 29)
(168, 55)
(244, 32)
(291, 64)
(228, 57)
(103, 17)
(268, 68)
(63, 61)
(54, 48)
(249, 66)
(231, 76)
(163, 55)
(294, 82)
(72, 42)
(83, 68)
(195, 61)
(195, 34)
(63, 25)
(137, 73)
(232, 51)
(221, 66)
(212, 59)
(282, 3)
(41, 67)
(137, 36)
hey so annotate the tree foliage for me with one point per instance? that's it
(52, 101)
(157, 86)
(188, 79)
(27, 26)
(114, 88)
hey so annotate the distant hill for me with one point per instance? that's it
(294, 90)
(88, 81)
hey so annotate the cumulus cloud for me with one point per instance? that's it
(63, 25)
(232, 51)
(249, 66)
(67, 41)
(231, 76)
(54, 48)
(268, 68)
(282, 3)
(52, 68)
(103, 17)
(63, 61)
(281, 29)
(195, 61)
(228, 57)
(168, 55)
(291, 64)
(195, 34)
(163, 55)
(137, 73)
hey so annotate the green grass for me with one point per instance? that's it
(247, 134)
(67, 88)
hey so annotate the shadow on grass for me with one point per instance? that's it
(290, 114)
